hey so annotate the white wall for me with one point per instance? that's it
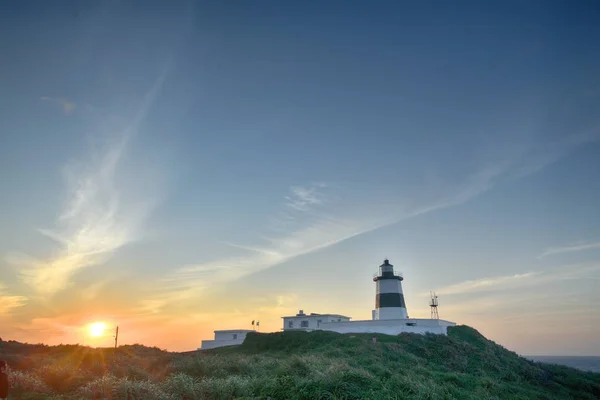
(389, 327)
(314, 321)
(211, 344)
(431, 322)
(391, 313)
(231, 334)
(388, 286)
(226, 338)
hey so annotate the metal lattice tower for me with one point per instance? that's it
(434, 306)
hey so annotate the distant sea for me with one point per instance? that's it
(584, 363)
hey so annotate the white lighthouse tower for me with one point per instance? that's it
(389, 298)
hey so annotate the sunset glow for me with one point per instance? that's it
(97, 329)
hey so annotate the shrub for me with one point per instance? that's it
(137, 390)
(182, 386)
(24, 382)
(100, 388)
(297, 365)
(61, 378)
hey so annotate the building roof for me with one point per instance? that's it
(235, 330)
(316, 315)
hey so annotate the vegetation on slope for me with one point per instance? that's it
(297, 365)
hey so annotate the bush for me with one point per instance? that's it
(24, 382)
(297, 365)
(137, 390)
(182, 386)
(100, 388)
(61, 378)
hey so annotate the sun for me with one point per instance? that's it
(97, 329)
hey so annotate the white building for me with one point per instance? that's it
(389, 317)
(311, 321)
(225, 338)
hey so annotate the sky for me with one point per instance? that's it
(180, 167)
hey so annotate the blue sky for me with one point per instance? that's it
(184, 167)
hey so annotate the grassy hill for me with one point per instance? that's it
(297, 365)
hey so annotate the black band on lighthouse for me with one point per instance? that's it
(390, 300)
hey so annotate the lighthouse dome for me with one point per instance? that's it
(386, 268)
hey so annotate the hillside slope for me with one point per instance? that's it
(298, 365)
(463, 365)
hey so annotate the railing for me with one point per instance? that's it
(385, 274)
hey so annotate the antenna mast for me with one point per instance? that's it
(434, 306)
(116, 336)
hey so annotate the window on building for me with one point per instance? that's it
(234, 336)
(290, 324)
(319, 321)
(303, 324)
(339, 320)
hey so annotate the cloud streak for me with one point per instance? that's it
(569, 249)
(9, 302)
(198, 277)
(96, 220)
(303, 198)
(487, 284)
(305, 233)
(312, 221)
(510, 282)
(93, 225)
(310, 229)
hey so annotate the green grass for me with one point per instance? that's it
(297, 365)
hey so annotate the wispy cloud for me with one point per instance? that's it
(99, 216)
(509, 282)
(313, 222)
(303, 198)
(9, 302)
(92, 226)
(67, 106)
(569, 249)
(285, 300)
(486, 284)
(307, 233)
(303, 234)
(93, 290)
(542, 307)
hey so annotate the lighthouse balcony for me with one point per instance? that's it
(388, 275)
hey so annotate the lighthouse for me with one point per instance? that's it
(389, 298)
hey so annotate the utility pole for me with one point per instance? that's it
(116, 337)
